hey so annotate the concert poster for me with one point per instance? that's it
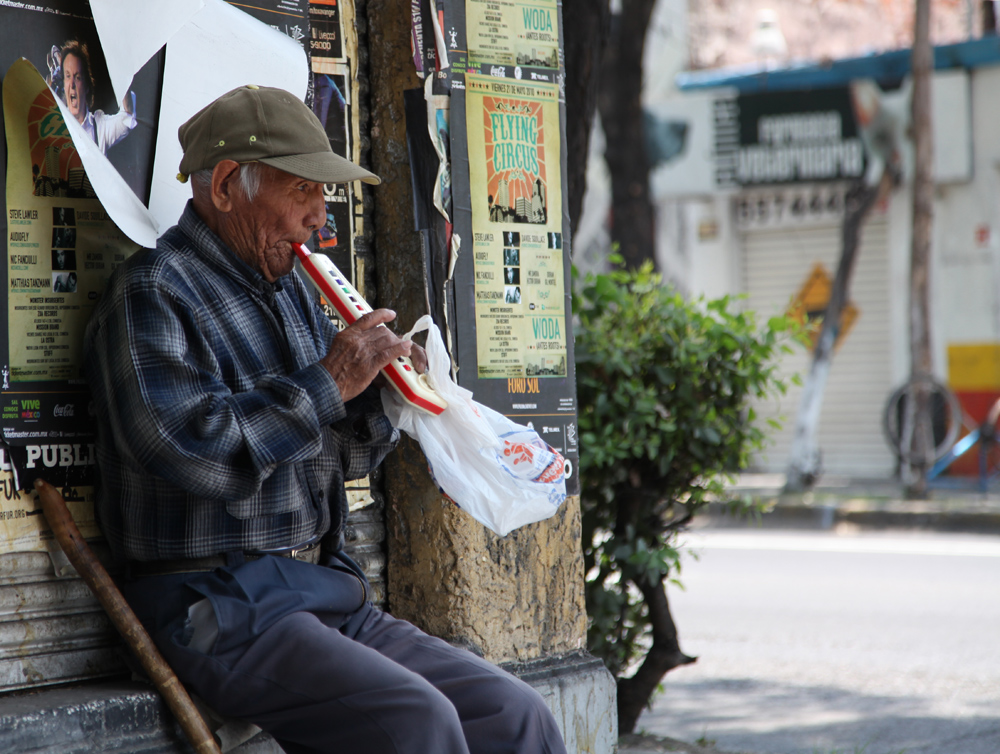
(422, 38)
(502, 32)
(518, 257)
(512, 299)
(61, 247)
(290, 17)
(326, 37)
(330, 83)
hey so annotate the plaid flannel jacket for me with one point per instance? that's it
(218, 430)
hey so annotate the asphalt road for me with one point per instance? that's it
(814, 643)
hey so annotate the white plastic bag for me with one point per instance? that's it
(499, 472)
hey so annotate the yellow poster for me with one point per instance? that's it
(514, 166)
(61, 249)
(61, 244)
(502, 32)
(23, 528)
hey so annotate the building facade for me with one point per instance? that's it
(754, 168)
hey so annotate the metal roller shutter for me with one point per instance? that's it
(776, 264)
(52, 630)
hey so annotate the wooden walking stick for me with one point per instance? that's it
(138, 640)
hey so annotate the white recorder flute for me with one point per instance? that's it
(411, 386)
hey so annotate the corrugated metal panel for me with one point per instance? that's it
(365, 535)
(51, 630)
(776, 264)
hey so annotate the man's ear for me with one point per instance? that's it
(224, 176)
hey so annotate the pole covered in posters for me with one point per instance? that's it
(511, 276)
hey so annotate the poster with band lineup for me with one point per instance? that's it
(515, 344)
(502, 32)
(514, 154)
(61, 249)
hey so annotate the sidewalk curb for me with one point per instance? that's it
(824, 510)
(648, 743)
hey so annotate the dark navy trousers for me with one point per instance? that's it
(300, 653)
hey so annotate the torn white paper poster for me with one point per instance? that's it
(132, 32)
(219, 49)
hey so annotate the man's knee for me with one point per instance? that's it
(426, 703)
(523, 723)
(421, 719)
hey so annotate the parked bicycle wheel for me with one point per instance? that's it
(946, 421)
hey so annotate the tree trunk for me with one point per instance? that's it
(804, 461)
(620, 103)
(586, 31)
(917, 423)
(634, 693)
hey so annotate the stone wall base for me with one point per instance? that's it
(122, 717)
(582, 695)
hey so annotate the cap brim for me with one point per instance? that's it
(322, 167)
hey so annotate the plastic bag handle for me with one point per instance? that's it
(422, 324)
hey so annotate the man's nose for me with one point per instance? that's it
(316, 217)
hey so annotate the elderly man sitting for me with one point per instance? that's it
(230, 412)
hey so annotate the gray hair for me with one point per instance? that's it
(248, 179)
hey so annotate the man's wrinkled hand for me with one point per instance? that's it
(419, 358)
(360, 351)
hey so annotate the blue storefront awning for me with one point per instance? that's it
(888, 69)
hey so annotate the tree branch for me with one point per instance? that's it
(663, 656)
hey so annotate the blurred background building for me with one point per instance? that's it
(754, 142)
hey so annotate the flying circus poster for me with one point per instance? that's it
(514, 140)
(514, 165)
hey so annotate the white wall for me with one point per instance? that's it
(967, 266)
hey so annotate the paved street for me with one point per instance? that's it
(813, 643)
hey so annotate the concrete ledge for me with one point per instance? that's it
(582, 695)
(113, 717)
(106, 717)
(127, 717)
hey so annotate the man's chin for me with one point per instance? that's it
(278, 266)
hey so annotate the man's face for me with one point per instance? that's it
(75, 87)
(286, 210)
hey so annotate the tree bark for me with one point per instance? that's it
(587, 28)
(917, 422)
(634, 693)
(620, 103)
(804, 462)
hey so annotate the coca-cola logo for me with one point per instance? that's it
(64, 410)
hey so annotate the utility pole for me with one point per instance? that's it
(917, 425)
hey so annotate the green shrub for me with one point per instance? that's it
(664, 386)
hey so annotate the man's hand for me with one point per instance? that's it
(419, 358)
(362, 349)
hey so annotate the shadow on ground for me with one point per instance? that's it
(746, 715)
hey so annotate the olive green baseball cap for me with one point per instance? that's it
(264, 124)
